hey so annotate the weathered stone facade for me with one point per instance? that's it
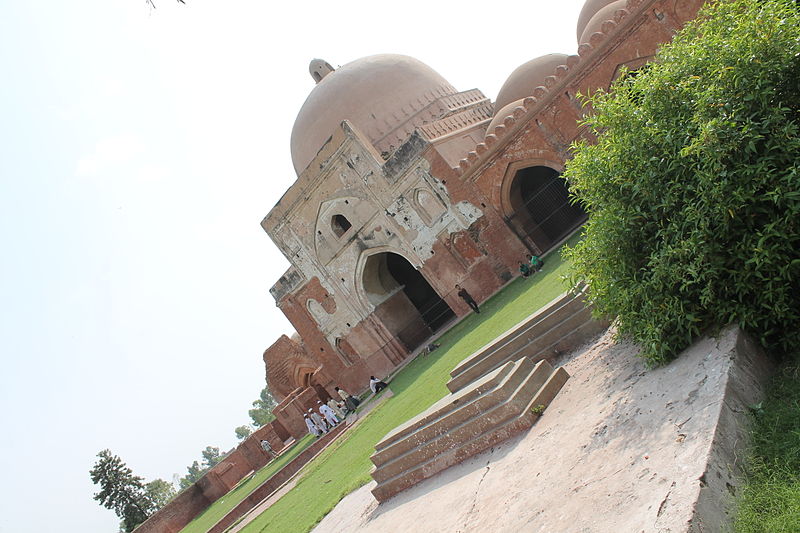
(417, 187)
(401, 173)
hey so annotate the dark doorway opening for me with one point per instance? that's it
(543, 214)
(404, 300)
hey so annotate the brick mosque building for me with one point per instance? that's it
(407, 186)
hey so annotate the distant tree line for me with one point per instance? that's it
(134, 501)
(127, 495)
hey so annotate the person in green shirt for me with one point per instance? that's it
(536, 263)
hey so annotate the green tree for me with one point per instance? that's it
(195, 472)
(242, 432)
(159, 492)
(211, 456)
(261, 414)
(120, 490)
(693, 185)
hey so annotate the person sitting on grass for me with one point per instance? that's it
(524, 269)
(376, 385)
(536, 262)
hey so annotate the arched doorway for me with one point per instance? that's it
(307, 378)
(542, 213)
(404, 300)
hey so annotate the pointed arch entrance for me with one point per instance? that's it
(538, 207)
(403, 299)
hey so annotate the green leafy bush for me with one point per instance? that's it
(693, 184)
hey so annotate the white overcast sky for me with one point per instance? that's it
(139, 150)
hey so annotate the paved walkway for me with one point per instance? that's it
(620, 449)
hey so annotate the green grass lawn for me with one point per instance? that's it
(345, 465)
(204, 521)
(770, 502)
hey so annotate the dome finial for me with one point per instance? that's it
(319, 68)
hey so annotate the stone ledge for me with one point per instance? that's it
(621, 448)
(561, 326)
(451, 432)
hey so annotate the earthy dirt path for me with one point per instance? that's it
(621, 449)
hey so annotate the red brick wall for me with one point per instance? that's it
(177, 513)
(278, 479)
(545, 137)
(247, 457)
(281, 359)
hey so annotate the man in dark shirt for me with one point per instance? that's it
(464, 295)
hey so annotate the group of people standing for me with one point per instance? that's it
(532, 265)
(330, 414)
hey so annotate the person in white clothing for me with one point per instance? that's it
(376, 385)
(328, 413)
(266, 447)
(333, 404)
(312, 427)
(318, 421)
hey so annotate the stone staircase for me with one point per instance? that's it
(492, 395)
(461, 425)
(561, 326)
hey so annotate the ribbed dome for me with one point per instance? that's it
(500, 116)
(527, 77)
(601, 15)
(376, 93)
(589, 9)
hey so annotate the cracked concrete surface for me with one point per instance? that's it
(620, 449)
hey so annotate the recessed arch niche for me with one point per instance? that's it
(402, 298)
(537, 206)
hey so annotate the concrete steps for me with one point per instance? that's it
(492, 393)
(485, 413)
(561, 326)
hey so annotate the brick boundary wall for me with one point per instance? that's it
(218, 481)
(279, 478)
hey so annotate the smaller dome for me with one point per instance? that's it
(590, 8)
(501, 115)
(527, 77)
(603, 14)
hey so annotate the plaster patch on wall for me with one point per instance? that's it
(412, 209)
(318, 312)
(469, 212)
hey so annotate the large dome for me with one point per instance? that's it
(527, 77)
(377, 94)
(590, 8)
